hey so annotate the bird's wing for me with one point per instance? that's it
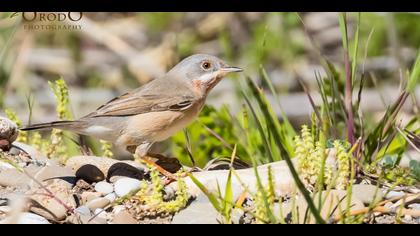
(134, 103)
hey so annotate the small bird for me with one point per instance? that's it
(154, 111)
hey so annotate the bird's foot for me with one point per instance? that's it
(148, 160)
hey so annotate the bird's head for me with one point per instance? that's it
(203, 71)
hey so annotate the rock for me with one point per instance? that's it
(89, 196)
(104, 188)
(13, 178)
(169, 193)
(122, 169)
(394, 194)
(83, 215)
(5, 209)
(95, 168)
(83, 186)
(47, 206)
(97, 203)
(200, 211)
(118, 208)
(54, 172)
(83, 218)
(8, 133)
(367, 193)
(283, 180)
(31, 151)
(111, 197)
(5, 165)
(385, 219)
(4, 202)
(237, 215)
(90, 173)
(170, 164)
(83, 210)
(408, 218)
(124, 217)
(335, 200)
(408, 157)
(101, 213)
(126, 185)
(414, 206)
(94, 221)
(30, 218)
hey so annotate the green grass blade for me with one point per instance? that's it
(212, 197)
(356, 48)
(414, 79)
(228, 199)
(260, 128)
(343, 28)
(286, 122)
(286, 157)
(287, 140)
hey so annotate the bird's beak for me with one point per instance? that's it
(229, 69)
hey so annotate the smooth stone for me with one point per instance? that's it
(124, 217)
(169, 193)
(394, 194)
(217, 179)
(415, 206)
(111, 197)
(125, 169)
(85, 219)
(55, 172)
(115, 178)
(408, 217)
(5, 209)
(408, 157)
(83, 210)
(367, 193)
(8, 129)
(126, 185)
(30, 218)
(237, 215)
(200, 211)
(89, 196)
(103, 166)
(98, 203)
(5, 165)
(31, 151)
(104, 188)
(13, 178)
(90, 173)
(81, 213)
(117, 209)
(335, 200)
(94, 220)
(49, 207)
(101, 213)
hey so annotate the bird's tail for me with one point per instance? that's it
(51, 125)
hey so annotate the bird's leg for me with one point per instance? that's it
(141, 153)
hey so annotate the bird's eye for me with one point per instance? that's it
(206, 65)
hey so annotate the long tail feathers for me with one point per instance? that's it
(51, 125)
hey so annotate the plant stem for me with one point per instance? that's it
(348, 96)
(285, 156)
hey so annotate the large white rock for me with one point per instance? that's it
(30, 218)
(126, 185)
(104, 188)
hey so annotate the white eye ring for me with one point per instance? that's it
(206, 65)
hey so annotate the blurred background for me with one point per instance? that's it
(105, 54)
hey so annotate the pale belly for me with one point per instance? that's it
(157, 126)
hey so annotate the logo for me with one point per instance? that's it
(50, 20)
